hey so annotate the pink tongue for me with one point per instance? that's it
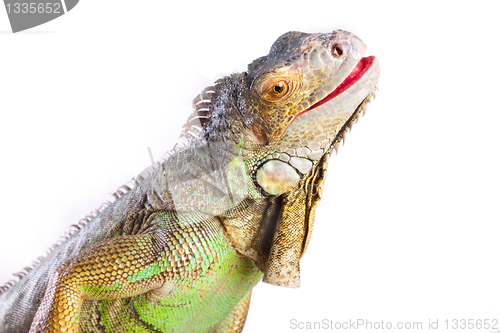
(363, 65)
(357, 71)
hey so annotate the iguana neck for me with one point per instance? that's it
(207, 171)
(228, 119)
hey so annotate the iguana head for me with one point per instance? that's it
(300, 97)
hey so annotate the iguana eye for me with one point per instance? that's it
(278, 89)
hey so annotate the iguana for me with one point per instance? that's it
(181, 248)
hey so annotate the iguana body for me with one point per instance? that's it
(180, 249)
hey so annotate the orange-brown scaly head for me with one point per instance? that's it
(300, 97)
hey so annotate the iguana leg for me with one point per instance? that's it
(123, 266)
(119, 267)
(235, 321)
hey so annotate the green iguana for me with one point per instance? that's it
(181, 248)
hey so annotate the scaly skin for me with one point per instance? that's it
(182, 247)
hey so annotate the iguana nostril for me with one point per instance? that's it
(337, 50)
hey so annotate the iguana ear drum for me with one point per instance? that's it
(275, 177)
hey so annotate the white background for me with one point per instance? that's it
(408, 229)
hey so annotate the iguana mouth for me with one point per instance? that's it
(357, 73)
